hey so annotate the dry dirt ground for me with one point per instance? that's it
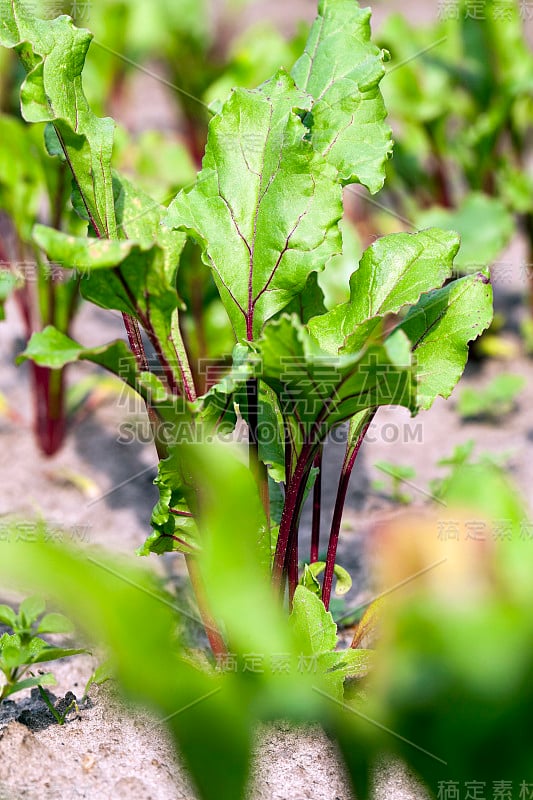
(104, 751)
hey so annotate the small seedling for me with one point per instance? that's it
(495, 401)
(59, 716)
(21, 650)
(102, 674)
(460, 457)
(400, 474)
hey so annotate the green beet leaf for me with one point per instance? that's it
(265, 207)
(7, 616)
(51, 348)
(344, 580)
(342, 69)
(393, 272)
(440, 327)
(30, 609)
(174, 526)
(310, 302)
(316, 390)
(312, 624)
(53, 53)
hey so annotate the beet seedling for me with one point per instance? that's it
(495, 401)
(399, 474)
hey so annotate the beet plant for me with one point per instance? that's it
(264, 213)
(35, 187)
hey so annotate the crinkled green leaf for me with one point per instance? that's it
(139, 218)
(271, 451)
(393, 272)
(309, 581)
(53, 53)
(11, 652)
(484, 225)
(440, 327)
(335, 279)
(81, 253)
(217, 408)
(136, 276)
(265, 207)
(318, 390)
(5, 639)
(309, 302)
(176, 531)
(104, 672)
(337, 666)
(342, 69)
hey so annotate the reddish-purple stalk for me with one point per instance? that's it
(292, 570)
(349, 461)
(49, 410)
(291, 558)
(317, 501)
(294, 494)
(178, 539)
(136, 343)
(49, 422)
(178, 513)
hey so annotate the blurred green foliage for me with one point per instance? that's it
(460, 94)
